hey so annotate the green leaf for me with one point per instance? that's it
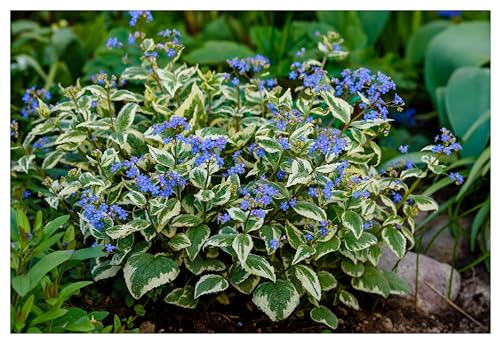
(424, 203)
(210, 283)
(323, 248)
(372, 281)
(327, 281)
(294, 236)
(446, 53)
(268, 233)
(467, 97)
(397, 286)
(352, 269)
(353, 222)
(248, 285)
(237, 214)
(301, 172)
(419, 40)
(198, 177)
(309, 280)
(349, 300)
(197, 235)
(310, 210)
(366, 240)
(126, 116)
(70, 290)
(104, 270)
(395, 240)
(86, 253)
(179, 242)
(134, 73)
(270, 145)
(134, 198)
(242, 246)
(303, 252)
(277, 300)
(258, 265)
(52, 159)
(25, 163)
(162, 157)
(182, 297)
(53, 225)
(143, 272)
(215, 52)
(339, 108)
(120, 231)
(125, 95)
(22, 284)
(221, 240)
(324, 316)
(186, 220)
(48, 316)
(373, 23)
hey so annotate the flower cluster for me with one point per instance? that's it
(371, 86)
(30, 100)
(283, 119)
(313, 77)
(457, 178)
(113, 42)
(96, 211)
(448, 143)
(175, 124)
(136, 15)
(207, 150)
(328, 142)
(129, 166)
(255, 64)
(40, 143)
(285, 205)
(257, 199)
(330, 185)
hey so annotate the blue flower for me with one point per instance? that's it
(26, 194)
(396, 197)
(328, 142)
(237, 169)
(109, 247)
(403, 149)
(274, 244)
(313, 192)
(113, 42)
(449, 14)
(259, 213)
(136, 15)
(323, 231)
(223, 218)
(309, 237)
(171, 53)
(39, 144)
(367, 225)
(457, 178)
(284, 206)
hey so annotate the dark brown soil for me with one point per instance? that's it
(393, 315)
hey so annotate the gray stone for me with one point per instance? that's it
(430, 271)
(442, 246)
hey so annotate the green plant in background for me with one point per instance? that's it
(194, 181)
(41, 258)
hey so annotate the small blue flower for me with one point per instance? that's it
(403, 149)
(309, 237)
(284, 206)
(223, 218)
(396, 197)
(313, 192)
(26, 194)
(323, 231)
(135, 15)
(109, 247)
(274, 244)
(113, 42)
(457, 178)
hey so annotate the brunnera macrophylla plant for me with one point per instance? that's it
(196, 182)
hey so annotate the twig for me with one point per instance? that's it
(454, 306)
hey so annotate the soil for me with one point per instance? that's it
(393, 315)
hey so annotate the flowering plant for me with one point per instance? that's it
(232, 179)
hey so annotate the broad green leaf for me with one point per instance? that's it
(366, 240)
(52, 159)
(349, 300)
(372, 281)
(182, 297)
(242, 246)
(397, 285)
(268, 233)
(126, 116)
(179, 242)
(71, 289)
(197, 235)
(270, 145)
(352, 269)
(48, 316)
(420, 39)
(258, 265)
(120, 231)
(303, 252)
(53, 225)
(323, 248)
(134, 198)
(339, 108)
(134, 73)
(324, 316)
(210, 283)
(104, 270)
(277, 300)
(310, 210)
(353, 222)
(186, 220)
(221, 240)
(294, 236)
(309, 280)
(199, 177)
(143, 272)
(395, 240)
(327, 281)
(162, 157)
(300, 173)
(248, 285)
(25, 163)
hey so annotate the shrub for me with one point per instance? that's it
(194, 181)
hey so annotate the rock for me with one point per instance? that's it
(430, 271)
(147, 327)
(442, 247)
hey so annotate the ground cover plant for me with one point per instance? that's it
(190, 181)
